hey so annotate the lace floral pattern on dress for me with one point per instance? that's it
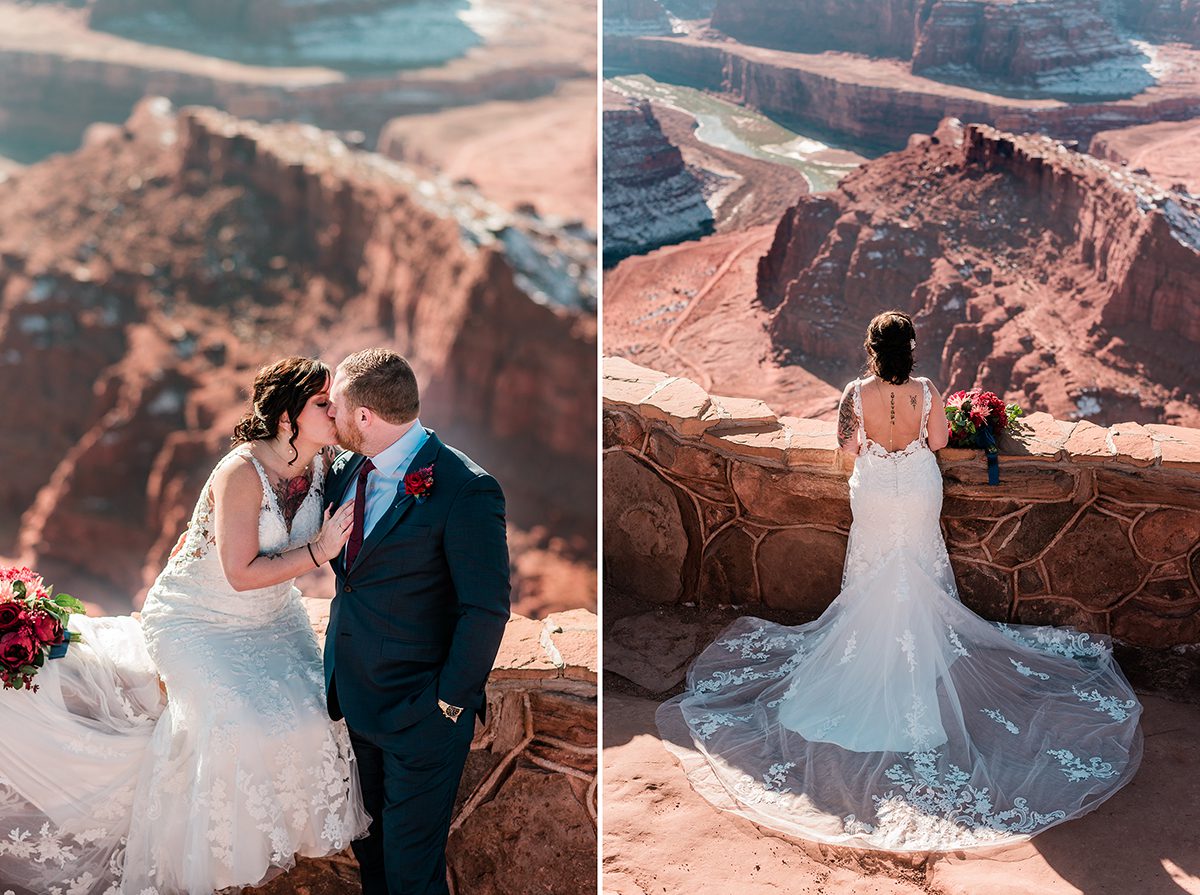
(899, 719)
(243, 759)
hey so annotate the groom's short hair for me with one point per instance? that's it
(383, 382)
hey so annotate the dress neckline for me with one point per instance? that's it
(918, 441)
(317, 469)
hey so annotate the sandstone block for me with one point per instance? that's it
(645, 541)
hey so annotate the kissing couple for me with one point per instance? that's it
(207, 745)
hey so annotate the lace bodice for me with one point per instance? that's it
(193, 580)
(217, 788)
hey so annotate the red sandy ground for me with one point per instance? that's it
(689, 309)
(1169, 150)
(541, 151)
(660, 837)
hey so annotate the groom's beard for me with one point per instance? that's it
(349, 438)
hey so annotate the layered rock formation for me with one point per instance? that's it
(1031, 267)
(977, 41)
(525, 820)
(873, 27)
(650, 198)
(1005, 42)
(710, 500)
(145, 278)
(635, 17)
(876, 103)
(1165, 19)
(1034, 270)
(740, 191)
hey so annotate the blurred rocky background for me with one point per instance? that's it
(1020, 177)
(189, 190)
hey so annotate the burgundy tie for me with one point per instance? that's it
(360, 512)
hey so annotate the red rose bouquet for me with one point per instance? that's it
(33, 626)
(976, 420)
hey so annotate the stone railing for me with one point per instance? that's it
(526, 814)
(715, 500)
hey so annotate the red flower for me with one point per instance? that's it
(47, 629)
(419, 483)
(11, 616)
(17, 648)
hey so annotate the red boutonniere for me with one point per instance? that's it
(419, 483)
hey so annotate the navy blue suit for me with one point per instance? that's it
(418, 617)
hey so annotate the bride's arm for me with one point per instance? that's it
(847, 424)
(237, 498)
(938, 427)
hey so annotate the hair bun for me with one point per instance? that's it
(890, 341)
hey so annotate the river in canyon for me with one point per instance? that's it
(405, 36)
(726, 125)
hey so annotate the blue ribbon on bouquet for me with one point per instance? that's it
(993, 458)
(60, 649)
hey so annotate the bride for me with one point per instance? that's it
(899, 719)
(111, 788)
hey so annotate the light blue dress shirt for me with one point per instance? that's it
(387, 478)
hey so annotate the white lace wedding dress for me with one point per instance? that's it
(105, 789)
(899, 719)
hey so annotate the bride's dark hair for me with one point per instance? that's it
(283, 387)
(890, 340)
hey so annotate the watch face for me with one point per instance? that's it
(453, 711)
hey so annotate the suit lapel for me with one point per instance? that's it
(401, 503)
(345, 477)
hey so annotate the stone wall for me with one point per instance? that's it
(716, 500)
(525, 821)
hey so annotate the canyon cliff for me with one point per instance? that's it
(1001, 245)
(872, 27)
(633, 17)
(1001, 42)
(145, 277)
(970, 40)
(1033, 269)
(650, 198)
(1165, 19)
(874, 104)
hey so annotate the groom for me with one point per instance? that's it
(421, 605)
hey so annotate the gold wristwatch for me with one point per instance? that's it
(450, 711)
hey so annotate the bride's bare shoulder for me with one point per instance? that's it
(237, 471)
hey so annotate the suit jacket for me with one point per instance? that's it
(420, 614)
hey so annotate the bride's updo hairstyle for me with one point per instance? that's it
(283, 387)
(891, 338)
